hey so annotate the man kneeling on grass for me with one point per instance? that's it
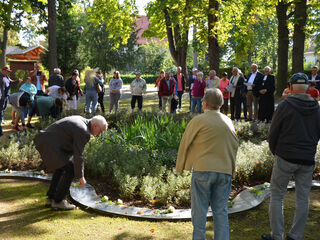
(57, 144)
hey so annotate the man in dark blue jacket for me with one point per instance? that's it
(191, 80)
(293, 137)
(315, 77)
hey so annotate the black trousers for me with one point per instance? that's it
(133, 101)
(60, 183)
(100, 100)
(160, 100)
(235, 107)
(180, 93)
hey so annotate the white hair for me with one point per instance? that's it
(200, 74)
(57, 71)
(213, 72)
(99, 120)
(269, 68)
(214, 98)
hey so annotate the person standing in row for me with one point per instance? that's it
(236, 86)
(224, 82)
(253, 86)
(72, 89)
(315, 77)
(56, 79)
(138, 87)
(181, 86)
(266, 99)
(191, 80)
(115, 86)
(198, 92)
(91, 91)
(38, 78)
(100, 94)
(166, 90)
(213, 81)
(157, 85)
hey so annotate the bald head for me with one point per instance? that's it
(98, 125)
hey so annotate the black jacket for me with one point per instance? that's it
(56, 79)
(268, 84)
(257, 83)
(295, 129)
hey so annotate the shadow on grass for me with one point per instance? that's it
(128, 235)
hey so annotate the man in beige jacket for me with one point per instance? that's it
(209, 147)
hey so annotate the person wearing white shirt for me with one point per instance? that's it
(253, 86)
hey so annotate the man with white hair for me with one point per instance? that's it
(209, 147)
(61, 147)
(293, 137)
(253, 86)
(56, 78)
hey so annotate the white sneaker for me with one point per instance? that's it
(179, 110)
(63, 205)
(48, 202)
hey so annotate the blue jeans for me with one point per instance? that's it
(210, 188)
(91, 97)
(196, 101)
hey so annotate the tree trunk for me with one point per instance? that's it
(4, 48)
(283, 46)
(178, 43)
(300, 17)
(214, 49)
(52, 25)
(195, 53)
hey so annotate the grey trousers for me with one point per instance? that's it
(281, 174)
(165, 100)
(114, 101)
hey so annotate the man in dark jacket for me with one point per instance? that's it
(315, 77)
(166, 91)
(57, 144)
(192, 78)
(56, 78)
(253, 84)
(293, 137)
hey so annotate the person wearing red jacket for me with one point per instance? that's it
(166, 90)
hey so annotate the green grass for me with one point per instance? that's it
(22, 216)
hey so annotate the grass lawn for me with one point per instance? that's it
(22, 216)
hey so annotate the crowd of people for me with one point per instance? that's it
(249, 97)
(293, 136)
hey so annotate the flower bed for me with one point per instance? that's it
(136, 158)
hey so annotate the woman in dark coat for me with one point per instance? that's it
(266, 100)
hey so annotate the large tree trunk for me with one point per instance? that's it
(283, 46)
(4, 48)
(52, 25)
(178, 43)
(214, 49)
(300, 17)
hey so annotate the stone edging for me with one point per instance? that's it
(245, 200)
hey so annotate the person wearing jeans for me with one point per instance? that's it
(293, 138)
(198, 92)
(209, 146)
(91, 91)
